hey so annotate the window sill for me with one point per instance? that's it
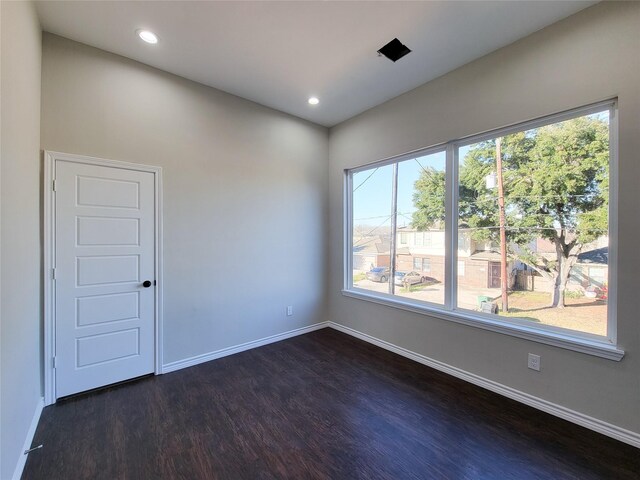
(598, 348)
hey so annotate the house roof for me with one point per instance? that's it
(598, 256)
(382, 247)
(366, 245)
(487, 255)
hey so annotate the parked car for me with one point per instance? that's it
(378, 274)
(398, 278)
(412, 278)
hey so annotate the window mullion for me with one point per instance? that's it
(451, 233)
(394, 229)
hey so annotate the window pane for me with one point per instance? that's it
(555, 184)
(426, 265)
(427, 239)
(420, 221)
(371, 197)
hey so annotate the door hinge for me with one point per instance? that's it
(27, 452)
(55, 362)
(54, 186)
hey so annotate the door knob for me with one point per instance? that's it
(146, 283)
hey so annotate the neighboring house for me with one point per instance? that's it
(591, 269)
(370, 251)
(478, 262)
(422, 252)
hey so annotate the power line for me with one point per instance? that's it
(535, 228)
(488, 197)
(365, 180)
(371, 231)
(424, 169)
(380, 216)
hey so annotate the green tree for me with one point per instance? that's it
(429, 192)
(556, 183)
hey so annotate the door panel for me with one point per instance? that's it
(494, 275)
(106, 347)
(107, 308)
(106, 269)
(108, 231)
(104, 250)
(107, 192)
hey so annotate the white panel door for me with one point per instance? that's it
(104, 252)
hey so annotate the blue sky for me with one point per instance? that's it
(372, 190)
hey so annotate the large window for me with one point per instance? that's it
(387, 216)
(510, 227)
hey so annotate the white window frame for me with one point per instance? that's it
(601, 346)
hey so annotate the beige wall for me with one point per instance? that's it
(592, 56)
(245, 191)
(20, 304)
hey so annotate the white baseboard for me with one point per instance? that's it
(22, 459)
(206, 357)
(613, 431)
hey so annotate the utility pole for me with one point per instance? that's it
(503, 234)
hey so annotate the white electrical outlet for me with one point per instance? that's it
(534, 362)
(289, 310)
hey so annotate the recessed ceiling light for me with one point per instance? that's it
(147, 36)
(313, 101)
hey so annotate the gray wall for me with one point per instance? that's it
(20, 303)
(245, 191)
(588, 57)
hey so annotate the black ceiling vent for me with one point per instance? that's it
(394, 50)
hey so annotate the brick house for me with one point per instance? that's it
(423, 251)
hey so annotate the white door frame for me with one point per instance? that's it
(50, 261)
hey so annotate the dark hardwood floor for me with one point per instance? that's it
(318, 406)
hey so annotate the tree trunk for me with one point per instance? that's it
(567, 256)
(557, 297)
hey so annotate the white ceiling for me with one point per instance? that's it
(280, 53)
